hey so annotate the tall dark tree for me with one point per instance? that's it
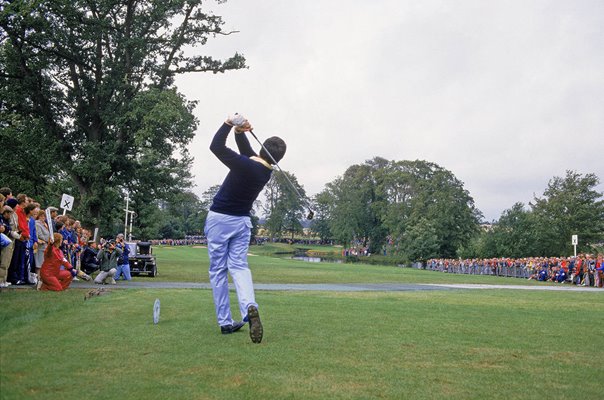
(90, 85)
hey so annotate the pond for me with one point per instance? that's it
(316, 259)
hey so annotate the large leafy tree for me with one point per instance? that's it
(570, 205)
(89, 84)
(355, 214)
(421, 208)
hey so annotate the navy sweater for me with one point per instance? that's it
(246, 177)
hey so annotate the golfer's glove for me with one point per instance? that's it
(236, 120)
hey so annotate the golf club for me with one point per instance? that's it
(311, 213)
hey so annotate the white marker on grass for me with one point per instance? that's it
(156, 312)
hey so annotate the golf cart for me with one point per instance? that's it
(142, 260)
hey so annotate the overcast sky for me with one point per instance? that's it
(504, 94)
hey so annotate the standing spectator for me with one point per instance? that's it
(43, 238)
(8, 238)
(53, 277)
(107, 263)
(53, 217)
(123, 265)
(6, 192)
(33, 242)
(600, 270)
(17, 273)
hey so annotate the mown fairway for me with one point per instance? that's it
(453, 344)
(190, 264)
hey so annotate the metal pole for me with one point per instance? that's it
(126, 221)
(131, 219)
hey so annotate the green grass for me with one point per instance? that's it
(190, 264)
(452, 344)
(499, 344)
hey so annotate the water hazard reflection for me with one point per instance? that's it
(316, 259)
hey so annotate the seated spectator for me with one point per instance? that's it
(108, 263)
(560, 276)
(88, 258)
(53, 277)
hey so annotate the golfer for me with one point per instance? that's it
(228, 224)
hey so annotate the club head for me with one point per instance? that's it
(311, 215)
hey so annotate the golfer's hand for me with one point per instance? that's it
(246, 127)
(236, 120)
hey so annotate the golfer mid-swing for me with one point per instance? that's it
(228, 225)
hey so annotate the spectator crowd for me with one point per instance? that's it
(49, 254)
(584, 269)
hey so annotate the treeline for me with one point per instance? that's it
(418, 210)
(569, 206)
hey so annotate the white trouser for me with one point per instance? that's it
(228, 242)
(104, 275)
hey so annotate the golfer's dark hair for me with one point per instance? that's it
(276, 146)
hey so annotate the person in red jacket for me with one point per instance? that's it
(53, 277)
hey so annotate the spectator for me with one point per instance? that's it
(9, 226)
(53, 217)
(6, 192)
(6, 238)
(32, 245)
(88, 258)
(17, 273)
(43, 238)
(107, 263)
(123, 265)
(53, 277)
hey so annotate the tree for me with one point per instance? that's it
(569, 205)
(355, 216)
(514, 234)
(283, 208)
(91, 81)
(421, 242)
(323, 206)
(422, 208)
(422, 194)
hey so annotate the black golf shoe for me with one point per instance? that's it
(256, 330)
(227, 329)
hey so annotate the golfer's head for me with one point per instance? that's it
(276, 147)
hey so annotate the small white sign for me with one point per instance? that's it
(67, 202)
(575, 240)
(49, 222)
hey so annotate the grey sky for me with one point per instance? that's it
(505, 94)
